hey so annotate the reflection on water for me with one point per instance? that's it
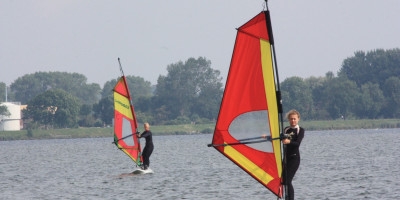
(358, 164)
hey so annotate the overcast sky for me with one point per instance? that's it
(312, 37)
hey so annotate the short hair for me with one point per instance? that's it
(146, 125)
(292, 112)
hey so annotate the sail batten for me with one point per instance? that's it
(250, 101)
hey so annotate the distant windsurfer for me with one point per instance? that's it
(148, 149)
(294, 136)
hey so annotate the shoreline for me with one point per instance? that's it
(188, 129)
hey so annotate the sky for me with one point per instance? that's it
(312, 37)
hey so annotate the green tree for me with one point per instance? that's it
(4, 111)
(370, 102)
(144, 104)
(88, 93)
(355, 68)
(187, 88)
(31, 85)
(104, 109)
(86, 116)
(297, 94)
(54, 108)
(317, 86)
(375, 66)
(339, 97)
(2, 92)
(207, 103)
(392, 94)
(26, 88)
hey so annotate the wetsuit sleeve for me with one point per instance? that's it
(145, 134)
(299, 139)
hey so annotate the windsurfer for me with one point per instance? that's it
(295, 135)
(148, 149)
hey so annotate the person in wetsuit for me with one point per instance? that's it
(295, 135)
(148, 149)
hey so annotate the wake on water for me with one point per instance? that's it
(143, 171)
(137, 172)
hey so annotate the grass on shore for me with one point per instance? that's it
(350, 124)
(83, 132)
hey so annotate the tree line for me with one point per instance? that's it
(190, 93)
(366, 86)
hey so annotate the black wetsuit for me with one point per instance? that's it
(292, 157)
(148, 149)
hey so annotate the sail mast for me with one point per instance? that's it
(272, 42)
(129, 94)
(278, 90)
(120, 67)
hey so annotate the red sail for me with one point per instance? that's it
(125, 125)
(250, 95)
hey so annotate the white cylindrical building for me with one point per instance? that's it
(12, 122)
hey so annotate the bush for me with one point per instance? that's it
(207, 130)
(178, 120)
(29, 133)
(203, 121)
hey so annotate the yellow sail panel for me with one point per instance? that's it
(121, 104)
(269, 84)
(127, 151)
(248, 165)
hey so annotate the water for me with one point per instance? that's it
(357, 164)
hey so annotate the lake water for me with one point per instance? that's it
(356, 164)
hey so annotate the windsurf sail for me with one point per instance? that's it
(250, 107)
(125, 124)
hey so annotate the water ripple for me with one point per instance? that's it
(357, 164)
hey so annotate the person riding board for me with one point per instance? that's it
(148, 149)
(295, 135)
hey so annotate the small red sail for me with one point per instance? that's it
(125, 125)
(250, 91)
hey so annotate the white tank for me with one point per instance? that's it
(12, 122)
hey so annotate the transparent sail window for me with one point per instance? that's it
(252, 124)
(126, 131)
